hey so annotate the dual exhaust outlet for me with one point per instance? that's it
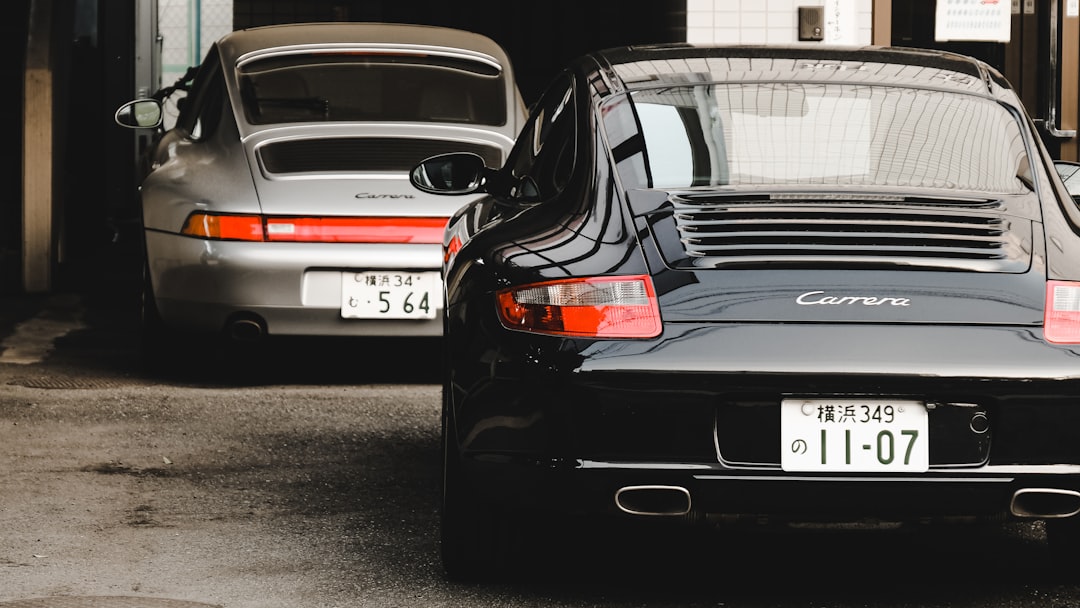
(1045, 503)
(670, 501)
(245, 329)
(674, 501)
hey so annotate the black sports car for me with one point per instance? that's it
(777, 284)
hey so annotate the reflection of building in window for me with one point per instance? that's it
(830, 134)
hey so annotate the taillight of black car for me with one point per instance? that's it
(592, 307)
(1061, 323)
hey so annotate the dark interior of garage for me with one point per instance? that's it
(93, 47)
(540, 37)
(93, 54)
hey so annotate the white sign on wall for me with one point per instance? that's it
(841, 25)
(979, 20)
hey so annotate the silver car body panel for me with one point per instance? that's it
(295, 287)
(357, 193)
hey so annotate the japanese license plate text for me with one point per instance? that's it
(390, 295)
(853, 435)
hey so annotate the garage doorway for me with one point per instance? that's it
(540, 37)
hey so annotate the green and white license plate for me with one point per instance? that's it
(390, 295)
(854, 435)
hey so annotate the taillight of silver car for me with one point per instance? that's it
(315, 229)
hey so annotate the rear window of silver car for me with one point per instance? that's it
(815, 134)
(372, 86)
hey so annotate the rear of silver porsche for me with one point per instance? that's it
(329, 240)
(294, 216)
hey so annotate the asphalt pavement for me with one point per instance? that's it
(313, 482)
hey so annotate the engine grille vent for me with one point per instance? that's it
(362, 154)
(847, 233)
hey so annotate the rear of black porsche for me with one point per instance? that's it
(801, 355)
(814, 358)
(840, 357)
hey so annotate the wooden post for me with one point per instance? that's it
(38, 213)
(881, 34)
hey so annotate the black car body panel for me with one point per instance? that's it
(887, 279)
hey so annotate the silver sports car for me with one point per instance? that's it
(280, 204)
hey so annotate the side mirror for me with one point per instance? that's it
(1070, 174)
(456, 173)
(139, 114)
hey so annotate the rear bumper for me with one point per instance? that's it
(699, 492)
(280, 320)
(292, 289)
(569, 424)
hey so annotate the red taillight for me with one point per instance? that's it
(224, 227)
(1061, 321)
(596, 307)
(316, 229)
(356, 229)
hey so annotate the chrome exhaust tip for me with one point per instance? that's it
(1045, 503)
(246, 330)
(667, 501)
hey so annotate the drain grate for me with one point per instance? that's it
(103, 602)
(69, 383)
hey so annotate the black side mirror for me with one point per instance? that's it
(140, 114)
(456, 173)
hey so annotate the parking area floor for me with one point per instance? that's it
(312, 480)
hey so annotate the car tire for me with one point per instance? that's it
(1063, 540)
(169, 352)
(477, 540)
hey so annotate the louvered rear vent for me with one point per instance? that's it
(362, 154)
(968, 236)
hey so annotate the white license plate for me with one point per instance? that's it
(859, 435)
(390, 295)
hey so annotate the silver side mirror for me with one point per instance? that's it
(140, 114)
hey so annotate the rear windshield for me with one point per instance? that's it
(806, 134)
(366, 86)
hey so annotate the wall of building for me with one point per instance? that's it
(775, 21)
(540, 36)
(187, 29)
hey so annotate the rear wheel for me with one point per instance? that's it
(1063, 539)
(169, 351)
(477, 540)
